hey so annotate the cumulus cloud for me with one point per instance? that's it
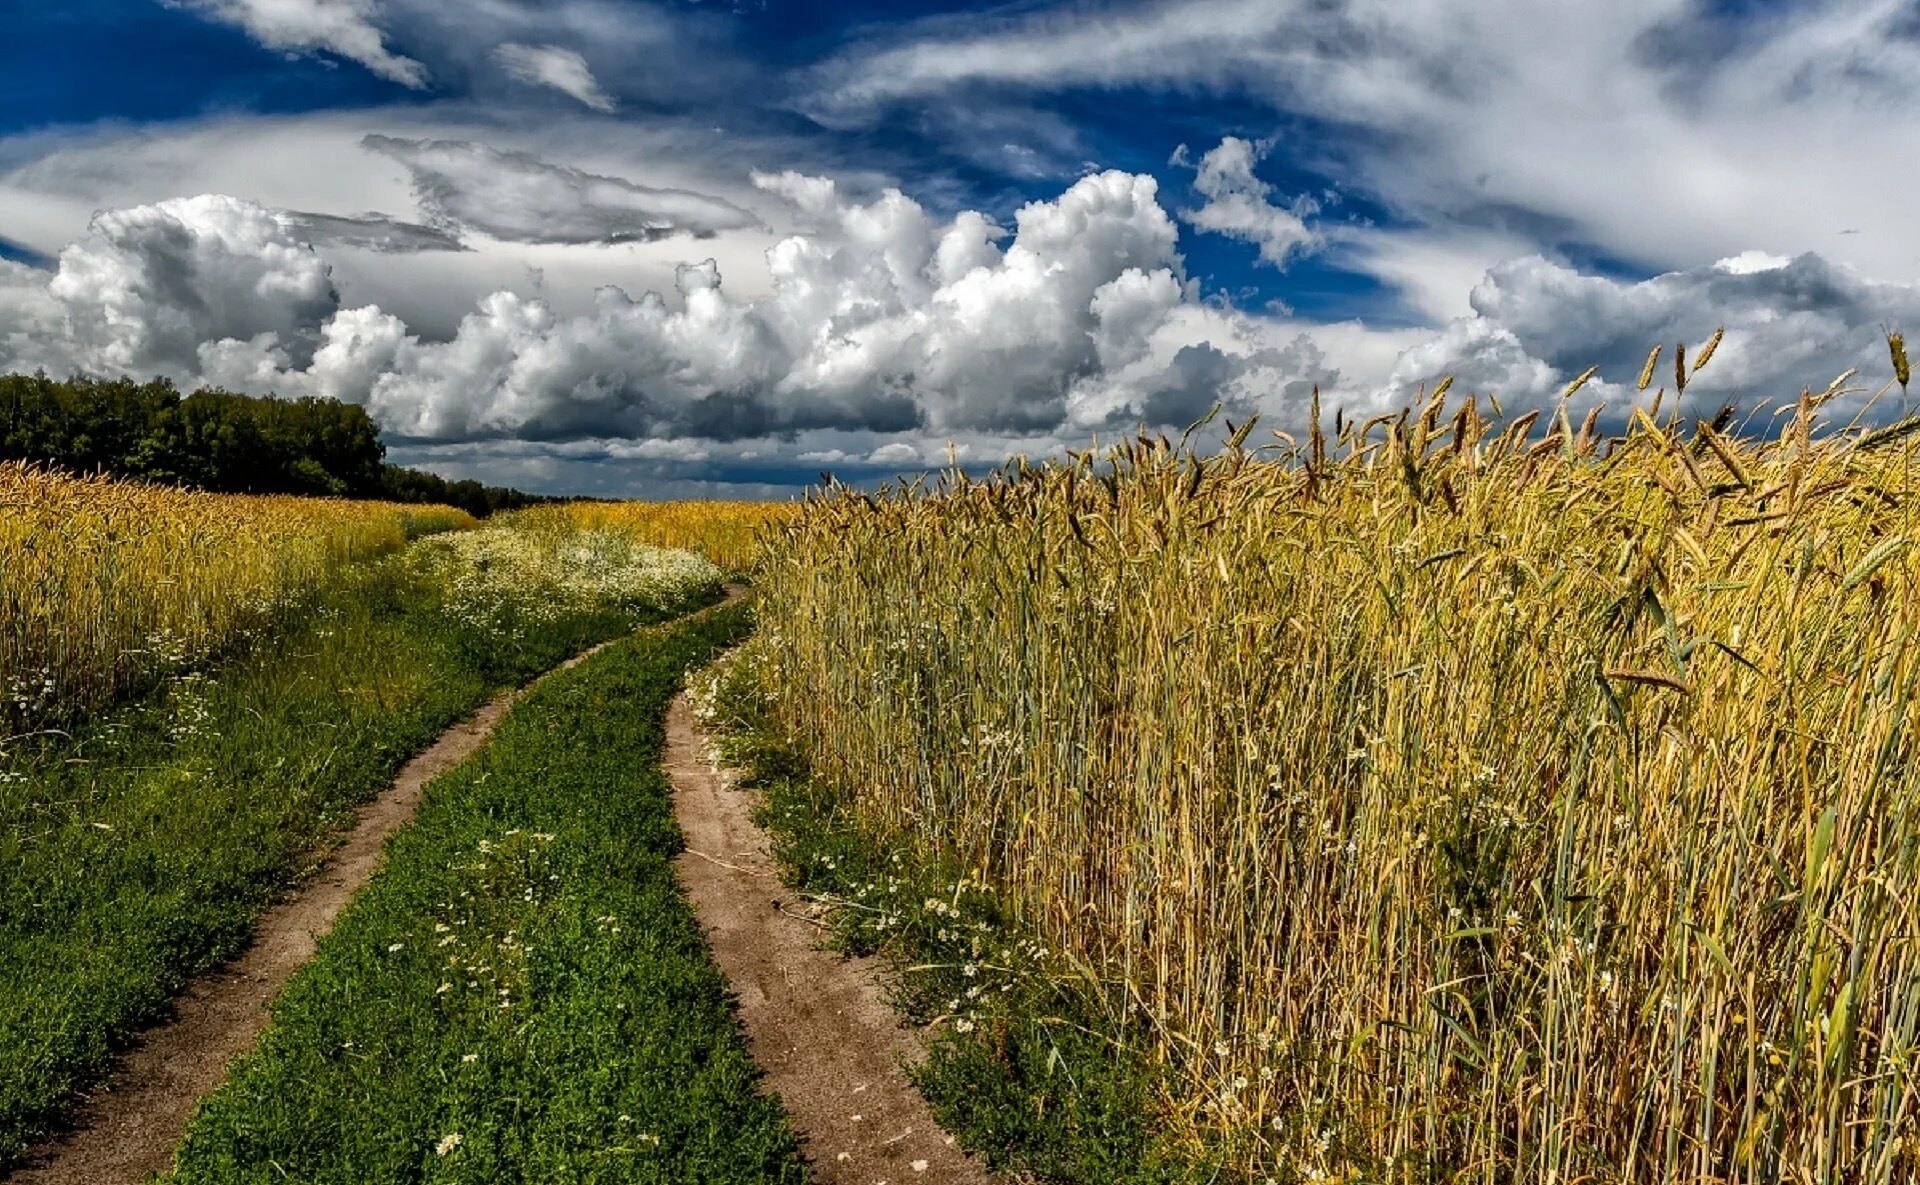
(885, 333)
(1240, 205)
(1790, 323)
(518, 197)
(348, 28)
(557, 67)
(29, 320)
(882, 319)
(147, 286)
(885, 320)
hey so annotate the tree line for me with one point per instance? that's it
(217, 440)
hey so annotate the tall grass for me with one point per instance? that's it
(105, 583)
(139, 844)
(731, 534)
(1449, 800)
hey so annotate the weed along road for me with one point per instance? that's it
(131, 1123)
(817, 1022)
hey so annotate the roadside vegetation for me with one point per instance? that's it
(522, 994)
(1461, 797)
(1023, 1065)
(139, 842)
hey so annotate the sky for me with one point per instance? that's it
(701, 248)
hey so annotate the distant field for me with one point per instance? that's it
(733, 535)
(1461, 798)
(313, 651)
(105, 585)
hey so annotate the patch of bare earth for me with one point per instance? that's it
(820, 1024)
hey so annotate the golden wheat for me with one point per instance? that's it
(104, 583)
(1443, 801)
(731, 534)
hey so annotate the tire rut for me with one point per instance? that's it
(819, 1024)
(129, 1125)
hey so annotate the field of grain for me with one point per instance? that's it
(731, 534)
(109, 583)
(142, 839)
(1455, 799)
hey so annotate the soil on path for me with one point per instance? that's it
(129, 1126)
(819, 1023)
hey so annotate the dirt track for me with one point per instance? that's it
(832, 1046)
(818, 1023)
(130, 1124)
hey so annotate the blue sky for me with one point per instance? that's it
(1046, 222)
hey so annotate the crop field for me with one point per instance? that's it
(140, 841)
(109, 584)
(731, 534)
(1456, 799)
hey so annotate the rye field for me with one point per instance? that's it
(1451, 796)
(1451, 800)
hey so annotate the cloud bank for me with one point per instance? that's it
(882, 319)
(886, 330)
(517, 197)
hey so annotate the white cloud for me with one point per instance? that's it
(1665, 132)
(516, 196)
(51, 186)
(1433, 270)
(1790, 323)
(885, 319)
(147, 286)
(1207, 41)
(29, 320)
(885, 333)
(349, 28)
(882, 320)
(555, 66)
(1240, 205)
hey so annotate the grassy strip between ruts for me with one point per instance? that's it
(522, 994)
(1026, 1063)
(140, 849)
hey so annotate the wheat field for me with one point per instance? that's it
(730, 534)
(1456, 799)
(108, 583)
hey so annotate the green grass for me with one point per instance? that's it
(523, 975)
(1029, 1063)
(141, 848)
